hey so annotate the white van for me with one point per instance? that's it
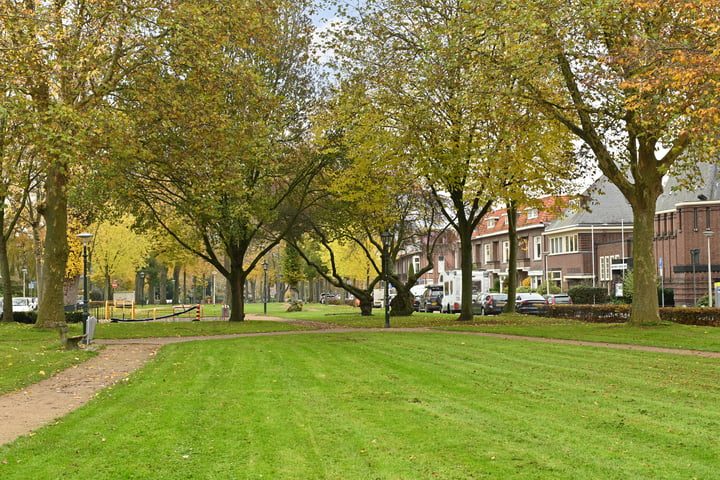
(451, 282)
(23, 304)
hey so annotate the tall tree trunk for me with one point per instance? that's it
(512, 261)
(176, 284)
(51, 309)
(466, 265)
(162, 284)
(237, 294)
(7, 314)
(645, 307)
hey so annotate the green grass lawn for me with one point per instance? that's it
(389, 405)
(28, 355)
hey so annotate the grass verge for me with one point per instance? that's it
(389, 406)
(29, 354)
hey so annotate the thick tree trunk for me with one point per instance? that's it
(645, 308)
(51, 309)
(237, 294)
(365, 305)
(402, 305)
(466, 266)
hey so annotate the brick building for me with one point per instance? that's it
(593, 243)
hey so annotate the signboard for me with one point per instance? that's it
(114, 284)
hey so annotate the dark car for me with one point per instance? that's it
(558, 299)
(416, 302)
(529, 303)
(431, 299)
(489, 303)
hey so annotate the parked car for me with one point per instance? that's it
(529, 303)
(558, 299)
(416, 302)
(23, 304)
(431, 300)
(489, 303)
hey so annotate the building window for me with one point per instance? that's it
(707, 218)
(491, 223)
(537, 247)
(556, 245)
(555, 277)
(532, 213)
(680, 220)
(695, 219)
(564, 244)
(605, 269)
(416, 264)
(488, 253)
(571, 243)
(505, 251)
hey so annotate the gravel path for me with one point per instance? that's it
(28, 409)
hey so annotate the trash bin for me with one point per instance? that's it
(90, 329)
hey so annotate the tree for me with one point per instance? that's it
(222, 162)
(117, 251)
(66, 59)
(436, 107)
(636, 84)
(17, 177)
(292, 271)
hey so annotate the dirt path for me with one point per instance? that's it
(28, 409)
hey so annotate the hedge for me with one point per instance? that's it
(708, 317)
(31, 317)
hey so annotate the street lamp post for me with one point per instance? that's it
(85, 238)
(265, 285)
(386, 237)
(213, 288)
(708, 234)
(24, 272)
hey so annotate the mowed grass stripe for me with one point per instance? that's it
(391, 406)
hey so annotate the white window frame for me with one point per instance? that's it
(488, 252)
(537, 247)
(505, 251)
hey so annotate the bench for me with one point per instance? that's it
(69, 342)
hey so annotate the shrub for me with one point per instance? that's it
(588, 313)
(542, 289)
(25, 317)
(588, 294)
(669, 297)
(707, 317)
(74, 317)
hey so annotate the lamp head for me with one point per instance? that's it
(85, 237)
